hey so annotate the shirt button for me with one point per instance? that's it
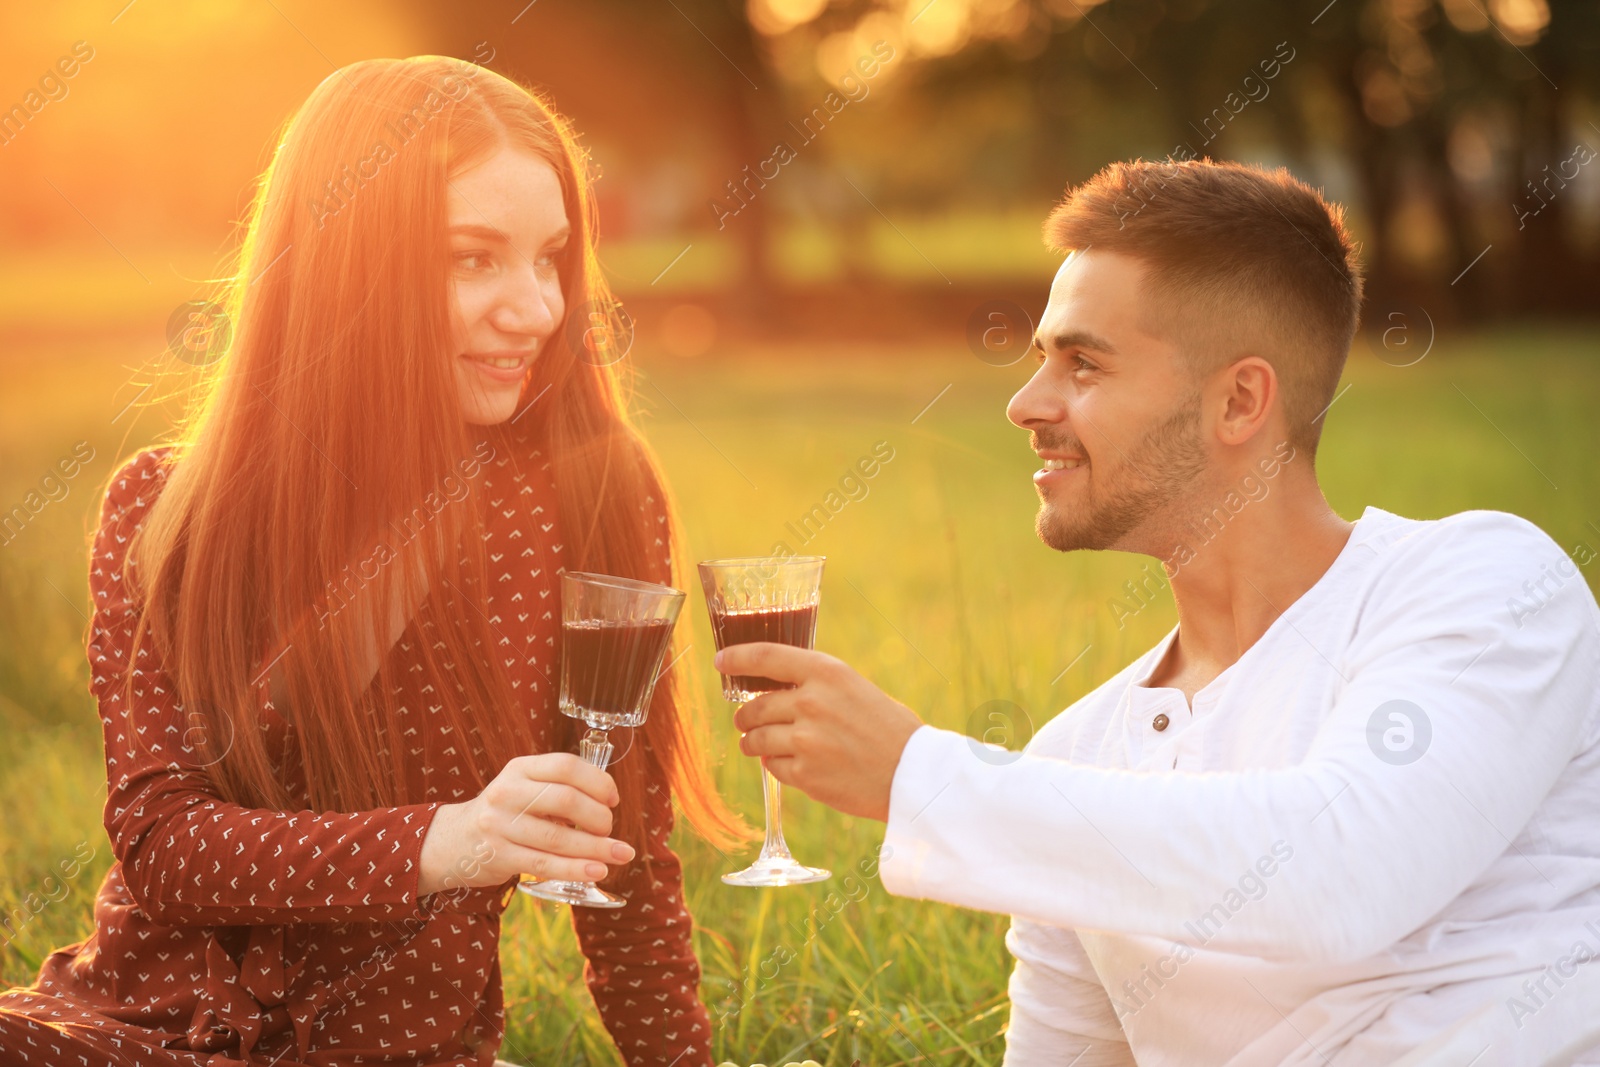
(1160, 722)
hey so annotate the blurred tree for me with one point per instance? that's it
(1452, 128)
(1457, 120)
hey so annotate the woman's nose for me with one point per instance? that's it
(530, 306)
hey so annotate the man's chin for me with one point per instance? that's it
(1068, 533)
(1062, 534)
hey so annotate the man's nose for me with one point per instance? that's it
(1037, 402)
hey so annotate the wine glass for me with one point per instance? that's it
(614, 634)
(765, 598)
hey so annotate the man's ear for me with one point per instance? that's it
(1248, 390)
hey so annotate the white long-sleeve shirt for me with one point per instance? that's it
(1380, 827)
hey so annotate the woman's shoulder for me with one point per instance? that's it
(141, 474)
(133, 487)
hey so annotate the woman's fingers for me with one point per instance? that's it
(547, 866)
(548, 816)
(554, 800)
(542, 835)
(567, 769)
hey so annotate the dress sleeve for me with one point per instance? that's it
(189, 857)
(642, 970)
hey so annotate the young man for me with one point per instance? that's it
(1348, 811)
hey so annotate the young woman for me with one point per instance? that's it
(325, 640)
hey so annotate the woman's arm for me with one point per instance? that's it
(188, 857)
(191, 858)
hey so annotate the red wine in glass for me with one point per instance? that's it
(739, 626)
(608, 668)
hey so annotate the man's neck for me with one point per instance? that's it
(1236, 584)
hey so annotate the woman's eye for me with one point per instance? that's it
(550, 258)
(470, 260)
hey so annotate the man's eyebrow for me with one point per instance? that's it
(1077, 339)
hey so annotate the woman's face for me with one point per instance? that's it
(508, 225)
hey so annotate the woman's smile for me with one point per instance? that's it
(501, 366)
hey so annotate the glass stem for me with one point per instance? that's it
(596, 748)
(772, 796)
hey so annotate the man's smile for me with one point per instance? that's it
(1058, 467)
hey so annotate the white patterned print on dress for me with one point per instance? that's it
(226, 935)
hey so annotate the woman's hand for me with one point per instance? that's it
(511, 828)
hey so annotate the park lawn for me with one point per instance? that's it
(935, 587)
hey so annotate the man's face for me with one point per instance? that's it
(1112, 411)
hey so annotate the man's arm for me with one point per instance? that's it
(1087, 847)
(1060, 1011)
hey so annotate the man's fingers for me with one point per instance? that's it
(768, 741)
(765, 710)
(781, 768)
(767, 659)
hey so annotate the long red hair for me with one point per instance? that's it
(335, 412)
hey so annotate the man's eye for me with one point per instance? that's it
(1079, 363)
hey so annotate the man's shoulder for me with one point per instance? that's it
(1481, 571)
(1480, 551)
(1475, 531)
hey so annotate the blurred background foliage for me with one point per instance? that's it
(1452, 129)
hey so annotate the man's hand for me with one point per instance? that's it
(836, 736)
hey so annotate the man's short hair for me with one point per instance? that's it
(1240, 261)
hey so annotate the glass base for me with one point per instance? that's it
(777, 871)
(578, 894)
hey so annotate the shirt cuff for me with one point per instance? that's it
(928, 767)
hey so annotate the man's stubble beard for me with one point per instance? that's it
(1167, 462)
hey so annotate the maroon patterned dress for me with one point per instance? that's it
(227, 935)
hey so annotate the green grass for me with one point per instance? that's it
(935, 587)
